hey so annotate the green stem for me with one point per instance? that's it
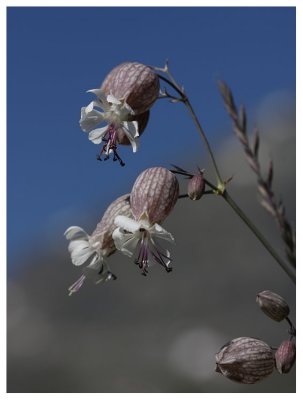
(290, 272)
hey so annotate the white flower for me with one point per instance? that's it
(141, 237)
(85, 248)
(116, 113)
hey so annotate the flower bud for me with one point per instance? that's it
(245, 360)
(285, 356)
(273, 305)
(196, 187)
(142, 120)
(134, 82)
(154, 194)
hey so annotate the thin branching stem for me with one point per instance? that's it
(220, 188)
(184, 99)
(292, 329)
(290, 271)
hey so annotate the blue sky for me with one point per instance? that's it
(55, 54)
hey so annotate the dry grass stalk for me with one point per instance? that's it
(268, 198)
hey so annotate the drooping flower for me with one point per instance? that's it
(93, 250)
(116, 113)
(136, 83)
(125, 97)
(152, 198)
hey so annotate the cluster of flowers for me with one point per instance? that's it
(248, 360)
(130, 224)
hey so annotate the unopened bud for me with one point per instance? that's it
(245, 360)
(273, 305)
(196, 187)
(155, 192)
(136, 83)
(285, 356)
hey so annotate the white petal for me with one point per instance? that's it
(132, 133)
(92, 104)
(112, 99)
(128, 109)
(96, 262)
(125, 242)
(80, 251)
(157, 231)
(99, 93)
(97, 135)
(75, 232)
(90, 120)
(131, 128)
(127, 224)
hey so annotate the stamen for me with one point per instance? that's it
(146, 248)
(110, 146)
(76, 285)
(142, 259)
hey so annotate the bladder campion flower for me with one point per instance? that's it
(93, 250)
(125, 98)
(152, 198)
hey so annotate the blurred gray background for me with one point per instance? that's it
(160, 333)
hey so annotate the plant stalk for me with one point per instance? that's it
(290, 271)
(220, 189)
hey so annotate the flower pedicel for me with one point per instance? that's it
(125, 98)
(152, 198)
(94, 249)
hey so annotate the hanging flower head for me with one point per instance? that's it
(93, 250)
(153, 197)
(124, 99)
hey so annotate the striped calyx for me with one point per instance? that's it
(285, 356)
(136, 83)
(196, 186)
(106, 227)
(154, 194)
(273, 305)
(245, 360)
